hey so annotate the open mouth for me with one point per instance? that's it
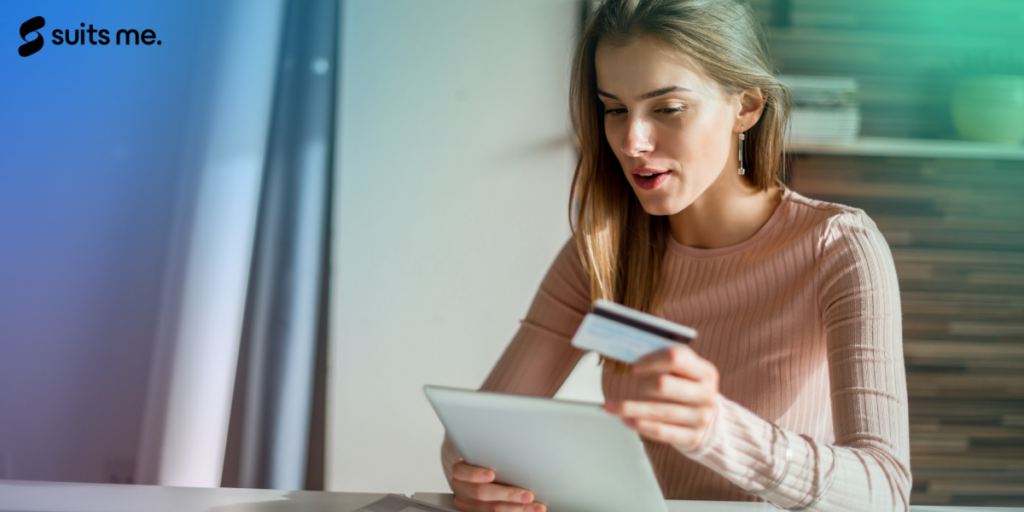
(648, 181)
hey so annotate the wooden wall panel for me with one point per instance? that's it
(956, 227)
(956, 230)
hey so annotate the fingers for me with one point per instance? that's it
(671, 388)
(681, 361)
(680, 425)
(471, 505)
(683, 437)
(694, 417)
(683, 392)
(469, 473)
(491, 492)
(668, 387)
(475, 491)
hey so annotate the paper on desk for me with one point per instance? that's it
(397, 503)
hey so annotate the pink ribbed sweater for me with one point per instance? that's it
(802, 321)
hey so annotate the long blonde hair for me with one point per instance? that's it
(621, 245)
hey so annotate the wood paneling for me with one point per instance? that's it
(956, 230)
(955, 227)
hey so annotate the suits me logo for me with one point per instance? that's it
(36, 44)
(79, 37)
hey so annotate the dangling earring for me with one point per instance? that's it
(742, 137)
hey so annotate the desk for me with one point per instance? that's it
(445, 500)
(68, 497)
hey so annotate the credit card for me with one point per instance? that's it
(625, 334)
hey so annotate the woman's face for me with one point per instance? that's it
(666, 119)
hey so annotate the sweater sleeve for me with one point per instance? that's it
(859, 303)
(540, 355)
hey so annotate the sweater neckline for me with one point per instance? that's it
(695, 252)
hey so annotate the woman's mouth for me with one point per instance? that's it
(649, 179)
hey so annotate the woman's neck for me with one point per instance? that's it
(730, 211)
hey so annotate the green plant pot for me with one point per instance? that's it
(990, 108)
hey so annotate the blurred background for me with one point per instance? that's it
(234, 258)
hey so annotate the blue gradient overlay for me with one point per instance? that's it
(92, 140)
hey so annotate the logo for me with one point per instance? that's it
(36, 44)
(83, 36)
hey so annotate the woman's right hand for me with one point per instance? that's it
(475, 492)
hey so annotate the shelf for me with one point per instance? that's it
(913, 148)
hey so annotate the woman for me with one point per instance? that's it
(794, 390)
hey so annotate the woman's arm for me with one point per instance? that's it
(860, 304)
(540, 355)
(868, 465)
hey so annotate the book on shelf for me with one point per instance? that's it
(825, 109)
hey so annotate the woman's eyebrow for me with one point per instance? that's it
(648, 95)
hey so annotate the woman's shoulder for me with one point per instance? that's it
(842, 233)
(802, 204)
(829, 220)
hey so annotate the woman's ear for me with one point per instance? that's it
(751, 106)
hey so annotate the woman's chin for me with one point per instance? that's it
(662, 207)
(658, 211)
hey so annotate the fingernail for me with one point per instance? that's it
(526, 498)
(538, 508)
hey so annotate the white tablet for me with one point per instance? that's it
(574, 456)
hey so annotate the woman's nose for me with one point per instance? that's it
(638, 137)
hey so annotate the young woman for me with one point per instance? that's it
(794, 390)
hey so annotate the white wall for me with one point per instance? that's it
(451, 204)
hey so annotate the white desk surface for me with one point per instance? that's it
(22, 496)
(445, 500)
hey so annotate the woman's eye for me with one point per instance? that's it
(670, 110)
(614, 111)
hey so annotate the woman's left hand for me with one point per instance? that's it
(683, 392)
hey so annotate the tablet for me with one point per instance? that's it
(574, 456)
